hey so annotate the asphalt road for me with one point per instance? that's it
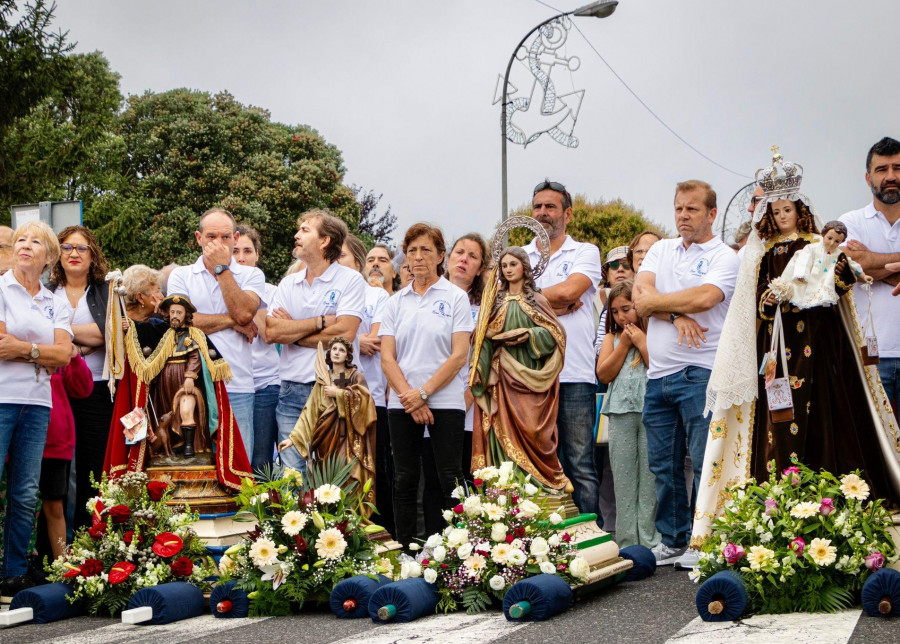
(655, 610)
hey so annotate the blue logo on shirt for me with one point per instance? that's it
(563, 270)
(442, 308)
(331, 298)
(702, 267)
(369, 311)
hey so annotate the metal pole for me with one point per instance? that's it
(503, 102)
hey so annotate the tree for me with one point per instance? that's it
(176, 154)
(373, 228)
(606, 224)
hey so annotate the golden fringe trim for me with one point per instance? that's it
(147, 368)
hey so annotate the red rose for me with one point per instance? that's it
(120, 572)
(182, 567)
(425, 562)
(167, 544)
(520, 532)
(97, 531)
(459, 509)
(119, 513)
(509, 538)
(566, 537)
(91, 567)
(444, 566)
(478, 482)
(129, 536)
(156, 489)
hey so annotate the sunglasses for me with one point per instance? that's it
(552, 185)
(68, 248)
(616, 265)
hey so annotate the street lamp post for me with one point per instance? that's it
(599, 9)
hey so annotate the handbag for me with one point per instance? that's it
(870, 348)
(778, 390)
(601, 422)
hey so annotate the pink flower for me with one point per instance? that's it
(733, 553)
(827, 507)
(792, 474)
(798, 545)
(874, 561)
(771, 504)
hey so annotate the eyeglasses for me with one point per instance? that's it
(68, 248)
(616, 265)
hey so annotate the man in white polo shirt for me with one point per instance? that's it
(324, 300)
(227, 296)
(569, 283)
(684, 285)
(873, 240)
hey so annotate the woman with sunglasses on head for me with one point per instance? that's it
(79, 278)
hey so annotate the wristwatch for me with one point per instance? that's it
(423, 394)
(674, 316)
(35, 352)
(221, 268)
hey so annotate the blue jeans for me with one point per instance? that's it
(576, 444)
(889, 370)
(673, 415)
(242, 408)
(291, 400)
(23, 433)
(265, 427)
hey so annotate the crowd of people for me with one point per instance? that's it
(667, 328)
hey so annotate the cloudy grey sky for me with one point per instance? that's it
(404, 89)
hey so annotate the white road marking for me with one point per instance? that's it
(455, 628)
(184, 631)
(797, 628)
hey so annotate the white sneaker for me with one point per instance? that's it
(665, 555)
(688, 561)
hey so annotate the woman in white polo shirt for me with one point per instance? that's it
(35, 338)
(424, 344)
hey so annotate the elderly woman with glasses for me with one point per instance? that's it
(35, 339)
(79, 278)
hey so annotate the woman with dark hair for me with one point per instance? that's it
(516, 380)
(424, 344)
(79, 277)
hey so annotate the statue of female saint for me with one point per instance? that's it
(517, 359)
(339, 416)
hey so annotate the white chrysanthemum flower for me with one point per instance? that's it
(464, 550)
(263, 552)
(539, 547)
(328, 493)
(474, 564)
(805, 510)
(759, 557)
(555, 518)
(529, 508)
(548, 568)
(293, 522)
(457, 536)
(854, 487)
(497, 582)
(579, 568)
(500, 553)
(493, 511)
(498, 532)
(472, 505)
(330, 544)
(430, 575)
(821, 551)
(516, 557)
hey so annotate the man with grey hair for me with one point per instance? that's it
(227, 296)
(6, 245)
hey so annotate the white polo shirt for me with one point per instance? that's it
(376, 300)
(574, 257)
(265, 356)
(678, 268)
(31, 319)
(870, 227)
(422, 327)
(338, 291)
(202, 288)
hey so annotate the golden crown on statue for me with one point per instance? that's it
(783, 184)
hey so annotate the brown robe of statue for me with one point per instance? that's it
(166, 393)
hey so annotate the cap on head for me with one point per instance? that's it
(616, 254)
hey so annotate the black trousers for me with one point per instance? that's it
(92, 419)
(406, 446)
(384, 472)
(432, 496)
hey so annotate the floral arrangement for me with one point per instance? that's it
(135, 540)
(309, 535)
(498, 534)
(803, 541)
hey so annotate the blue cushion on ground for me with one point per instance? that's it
(413, 598)
(359, 588)
(883, 584)
(49, 603)
(240, 603)
(727, 586)
(644, 562)
(171, 602)
(548, 595)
